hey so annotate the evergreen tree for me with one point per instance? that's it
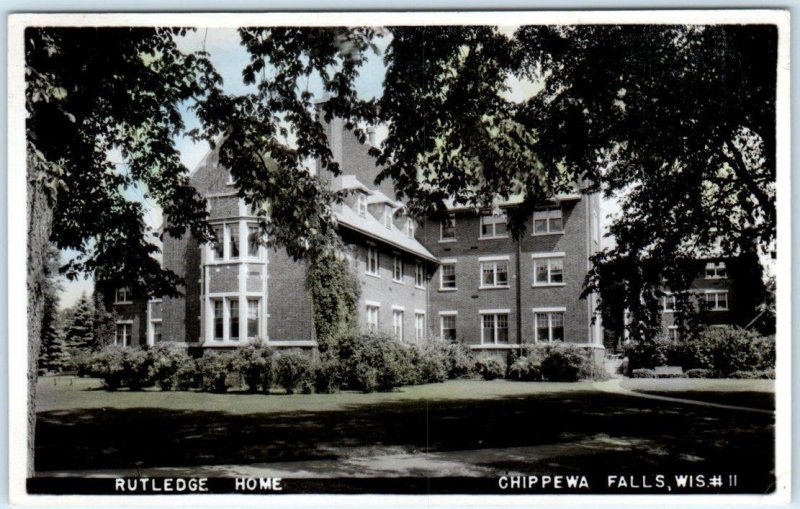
(53, 350)
(79, 335)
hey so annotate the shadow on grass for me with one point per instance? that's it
(624, 433)
(752, 399)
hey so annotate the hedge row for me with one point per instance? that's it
(717, 352)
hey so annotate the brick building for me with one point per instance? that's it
(463, 278)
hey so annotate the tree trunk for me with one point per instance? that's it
(40, 223)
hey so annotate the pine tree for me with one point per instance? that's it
(79, 335)
(55, 356)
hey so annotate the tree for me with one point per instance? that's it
(52, 354)
(79, 332)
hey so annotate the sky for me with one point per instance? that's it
(229, 58)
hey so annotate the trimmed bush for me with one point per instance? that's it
(217, 371)
(326, 375)
(293, 371)
(643, 373)
(564, 363)
(645, 354)
(490, 367)
(460, 360)
(255, 363)
(170, 367)
(120, 367)
(431, 362)
(699, 373)
(754, 375)
(526, 369)
(373, 361)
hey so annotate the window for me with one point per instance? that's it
(233, 238)
(494, 274)
(448, 276)
(493, 227)
(548, 270)
(233, 319)
(669, 303)
(387, 216)
(447, 229)
(123, 334)
(410, 228)
(495, 328)
(372, 316)
(253, 306)
(673, 334)
(122, 295)
(419, 274)
(549, 326)
(231, 181)
(716, 270)
(448, 323)
(397, 268)
(362, 204)
(717, 300)
(253, 241)
(372, 261)
(397, 324)
(549, 220)
(219, 242)
(419, 326)
(156, 325)
(219, 319)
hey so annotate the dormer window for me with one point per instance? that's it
(716, 270)
(410, 228)
(231, 181)
(362, 204)
(387, 216)
(122, 295)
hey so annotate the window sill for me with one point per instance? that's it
(548, 285)
(506, 287)
(447, 241)
(398, 282)
(719, 310)
(448, 289)
(712, 278)
(123, 302)
(376, 276)
(418, 287)
(494, 238)
(545, 234)
(494, 346)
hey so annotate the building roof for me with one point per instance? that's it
(371, 227)
(513, 200)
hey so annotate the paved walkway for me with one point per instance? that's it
(615, 385)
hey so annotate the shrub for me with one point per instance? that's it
(643, 373)
(168, 365)
(645, 354)
(699, 373)
(326, 375)
(564, 363)
(216, 371)
(255, 363)
(120, 367)
(766, 352)
(735, 349)
(460, 360)
(754, 374)
(430, 361)
(490, 367)
(373, 361)
(83, 363)
(526, 369)
(293, 371)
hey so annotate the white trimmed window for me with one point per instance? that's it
(669, 303)
(447, 276)
(253, 312)
(419, 326)
(155, 328)
(397, 324)
(493, 226)
(548, 270)
(673, 334)
(219, 319)
(494, 274)
(448, 325)
(361, 204)
(253, 241)
(410, 228)
(218, 248)
(419, 274)
(233, 318)
(230, 181)
(233, 240)
(447, 229)
(387, 216)
(372, 260)
(397, 268)
(547, 221)
(717, 300)
(226, 245)
(548, 325)
(494, 327)
(716, 270)
(122, 295)
(373, 311)
(124, 333)
(226, 318)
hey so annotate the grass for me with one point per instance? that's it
(82, 427)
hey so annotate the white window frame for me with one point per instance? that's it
(252, 228)
(549, 312)
(443, 262)
(716, 293)
(122, 295)
(129, 338)
(547, 258)
(397, 263)
(549, 214)
(387, 217)
(494, 234)
(361, 204)
(419, 324)
(373, 307)
(442, 316)
(152, 330)
(398, 317)
(410, 228)
(372, 251)
(494, 260)
(230, 181)
(715, 269)
(248, 300)
(419, 274)
(495, 334)
(666, 298)
(442, 238)
(673, 334)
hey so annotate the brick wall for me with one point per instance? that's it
(288, 303)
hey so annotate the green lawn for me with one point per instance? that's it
(82, 427)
